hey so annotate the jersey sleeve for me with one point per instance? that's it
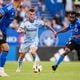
(68, 28)
(40, 23)
(5, 9)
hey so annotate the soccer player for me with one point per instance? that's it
(7, 14)
(74, 43)
(30, 44)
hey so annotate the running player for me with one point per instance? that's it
(74, 43)
(7, 14)
(30, 28)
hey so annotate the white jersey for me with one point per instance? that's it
(31, 35)
(31, 30)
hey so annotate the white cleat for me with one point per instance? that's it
(18, 70)
(3, 74)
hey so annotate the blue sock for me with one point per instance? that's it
(3, 59)
(60, 60)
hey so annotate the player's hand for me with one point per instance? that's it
(55, 34)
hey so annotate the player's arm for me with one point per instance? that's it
(50, 27)
(14, 25)
(21, 28)
(62, 30)
(43, 23)
(76, 36)
(54, 32)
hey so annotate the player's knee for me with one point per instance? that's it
(32, 51)
(22, 55)
(67, 50)
(5, 47)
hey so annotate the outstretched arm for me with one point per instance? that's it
(63, 30)
(50, 27)
(76, 36)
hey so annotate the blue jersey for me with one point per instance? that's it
(8, 14)
(75, 29)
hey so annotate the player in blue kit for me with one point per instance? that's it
(7, 14)
(74, 43)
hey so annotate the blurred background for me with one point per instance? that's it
(53, 12)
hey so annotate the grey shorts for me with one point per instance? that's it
(25, 47)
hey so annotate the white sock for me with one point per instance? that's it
(2, 69)
(37, 59)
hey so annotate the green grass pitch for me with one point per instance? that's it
(66, 71)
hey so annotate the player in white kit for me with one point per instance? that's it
(30, 44)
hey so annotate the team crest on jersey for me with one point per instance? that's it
(76, 26)
(47, 39)
(76, 29)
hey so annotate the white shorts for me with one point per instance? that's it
(25, 47)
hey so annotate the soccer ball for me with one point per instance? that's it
(37, 68)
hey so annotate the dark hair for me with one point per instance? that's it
(78, 14)
(72, 13)
(31, 10)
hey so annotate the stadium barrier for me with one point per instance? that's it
(46, 53)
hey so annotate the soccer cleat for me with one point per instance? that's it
(54, 67)
(18, 70)
(3, 74)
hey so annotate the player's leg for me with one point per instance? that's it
(36, 64)
(4, 48)
(78, 53)
(33, 51)
(23, 49)
(20, 60)
(4, 53)
(69, 47)
(77, 48)
(61, 58)
(34, 54)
